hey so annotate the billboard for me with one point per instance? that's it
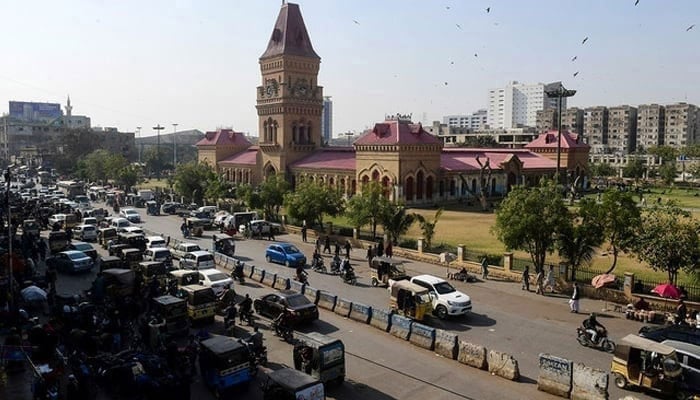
(27, 111)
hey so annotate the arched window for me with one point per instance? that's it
(409, 188)
(452, 187)
(320, 181)
(420, 188)
(274, 132)
(473, 185)
(365, 180)
(441, 188)
(375, 176)
(353, 187)
(429, 187)
(386, 186)
(493, 186)
(294, 133)
(308, 134)
(265, 131)
(331, 181)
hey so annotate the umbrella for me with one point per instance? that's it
(33, 293)
(601, 280)
(667, 290)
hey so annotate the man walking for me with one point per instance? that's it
(539, 281)
(348, 247)
(575, 296)
(327, 245)
(484, 268)
(550, 278)
(526, 278)
(303, 233)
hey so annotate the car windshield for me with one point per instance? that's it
(193, 248)
(76, 256)
(217, 277)
(290, 249)
(297, 300)
(444, 288)
(82, 247)
(206, 257)
(131, 213)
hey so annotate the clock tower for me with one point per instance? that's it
(289, 100)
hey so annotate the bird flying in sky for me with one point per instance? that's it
(445, 83)
(574, 59)
(585, 40)
(488, 10)
(355, 21)
(459, 26)
(690, 27)
(636, 2)
(476, 55)
(575, 73)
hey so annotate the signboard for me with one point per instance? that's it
(27, 111)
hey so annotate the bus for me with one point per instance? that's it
(71, 188)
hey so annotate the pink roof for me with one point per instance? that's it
(329, 158)
(248, 156)
(397, 132)
(464, 159)
(224, 137)
(549, 140)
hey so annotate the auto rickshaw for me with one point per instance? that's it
(152, 208)
(58, 241)
(410, 300)
(321, 356)
(154, 270)
(201, 302)
(174, 312)
(384, 268)
(105, 235)
(131, 257)
(644, 363)
(135, 240)
(224, 244)
(109, 262)
(224, 364)
(119, 282)
(184, 277)
(116, 249)
(290, 384)
(196, 226)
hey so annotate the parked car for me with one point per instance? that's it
(161, 254)
(197, 260)
(119, 223)
(155, 241)
(300, 307)
(169, 207)
(181, 249)
(261, 227)
(133, 229)
(678, 333)
(130, 214)
(446, 299)
(70, 261)
(85, 232)
(85, 248)
(285, 253)
(214, 279)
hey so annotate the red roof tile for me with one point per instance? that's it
(342, 158)
(224, 137)
(549, 140)
(289, 36)
(246, 157)
(397, 132)
(464, 159)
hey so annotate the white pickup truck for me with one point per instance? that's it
(180, 249)
(446, 299)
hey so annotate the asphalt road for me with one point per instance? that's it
(380, 366)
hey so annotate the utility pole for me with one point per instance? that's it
(560, 93)
(174, 146)
(8, 179)
(158, 128)
(138, 135)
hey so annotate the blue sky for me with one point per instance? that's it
(195, 63)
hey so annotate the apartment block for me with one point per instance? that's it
(651, 121)
(547, 119)
(572, 120)
(595, 128)
(681, 126)
(516, 104)
(622, 129)
(476, 120)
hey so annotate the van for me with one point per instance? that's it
(446, 299)
(197, 260)
(207, 209)
(689, 357)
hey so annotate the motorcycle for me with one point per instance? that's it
(285, 332)
(318, 266)
(602, 342)
(303, 278)
(257, 356)
(349, 276)
(237, 273)
(335, 265)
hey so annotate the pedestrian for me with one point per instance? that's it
(574, 301)
(270, 234)
(681, 312)
(348, 247)
(526, 279)
(327, 245)
(370, 255)
(303, 233)
(484, 268)
(539, 281)
(51, 276)
(337, 248)
(379, 250)
(389, 251)
(550, 278)
(318, 244)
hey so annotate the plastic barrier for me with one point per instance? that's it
(381, 319)
(248, 270)
(281, 283)
(326, 300)
(360, 313)
(472, 355)
(503, 365)
(422, 336)
(258, 275)
(446, 344)
(296, 286)
(311, 293)
(589, 383)
(400, 326)
(269, 279)
(555, 375)
(343, 307)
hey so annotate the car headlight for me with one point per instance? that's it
(451, 303)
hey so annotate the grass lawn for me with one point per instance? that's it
(153, 184)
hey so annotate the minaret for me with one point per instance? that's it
(69, 108)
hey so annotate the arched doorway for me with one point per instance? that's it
(493, 187)
(386, 186)
(473, 185)
(512, 180)
(269, 171)
(420, 185)
(441, 188)
(453, 188)
(375, 176)
(409, 188)
(429, 188)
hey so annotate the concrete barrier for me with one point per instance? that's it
(296, 286)
(360, 313)
(269, 279)
(472, 355)
(326, 300)
(311, 293)
(381, 319)
(589, 383)
(248, 270)
(400, 326)
(281, 283)
(503, 365)
(258, 275)
(422, 336)
(446, 344)
(555, 375)
(343, 307)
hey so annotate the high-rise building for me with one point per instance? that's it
(516, 105)
(476, 120)
(595, 128)
(650, 125)
(572, 120)
(681, 127)
(547, 120)
(327, 119)
(622, 129)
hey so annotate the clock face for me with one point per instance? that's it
(301, 88)
(271, 87)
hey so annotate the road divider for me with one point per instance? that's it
(400, 326)
(472, 355)
(269, 279)
(248, 270)
(589, 383)
(555, 375)
(381, 319)
(360, 313)
(296, 286)
(343, 307)
(446, 344)
(281, 283)
(311, 293)
(326, 300)
(503, 365)
(258, 275)
(422, 336)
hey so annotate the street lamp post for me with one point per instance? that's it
(559, 93)
(174, 146)
(158, 128)
(138, 134)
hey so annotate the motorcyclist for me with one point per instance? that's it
(336, 263)
(245, 308)
(301, 274)
(230, 318)
(594, 328)
(346, 269)
(282, 322)
(316, 258)
(256, 339)
(238, 271)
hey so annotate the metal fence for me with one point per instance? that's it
(644, 286)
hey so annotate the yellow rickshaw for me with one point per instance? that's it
(410, 300)
(642, 363)
(184, 277)
(201, 302)
(384, 268)
(153, 270)
(196, 226)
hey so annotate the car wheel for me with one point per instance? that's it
(267, 257)
(441, 312)
(287, 264)
(375, 282)
(619, 380)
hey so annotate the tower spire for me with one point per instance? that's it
(69, 108)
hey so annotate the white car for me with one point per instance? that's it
(446, 299)
(120, 223)
(131, 214)
(214, 279)
(132, 229)
(180, 249)
(155, 241)
(85, 232)
(261, 226)
(197, 260)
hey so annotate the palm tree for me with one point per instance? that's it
(397, 221)
(428, 227)
(578, 240)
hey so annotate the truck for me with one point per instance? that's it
(146, 195)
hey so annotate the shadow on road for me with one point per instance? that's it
(318, 326)
(527, 379)
(476, 319)
(356, 390)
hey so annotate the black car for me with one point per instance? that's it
(85, 248)
(169, 207)
(301, 308)
(671, 332)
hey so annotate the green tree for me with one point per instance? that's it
(127, 177)
(635, 169)
(692, 151)
(666, 153)
(368, 207)
(620, 218)
(310, 201)
(668, 241)
(532, 219)
(271, 193)
(428, 227)
(157, 159)
(250, 196)
(479, 142)
(396, 221)
(217, 188)
(602, 170)
(579, 239)
(191, 180)
(668, 172)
